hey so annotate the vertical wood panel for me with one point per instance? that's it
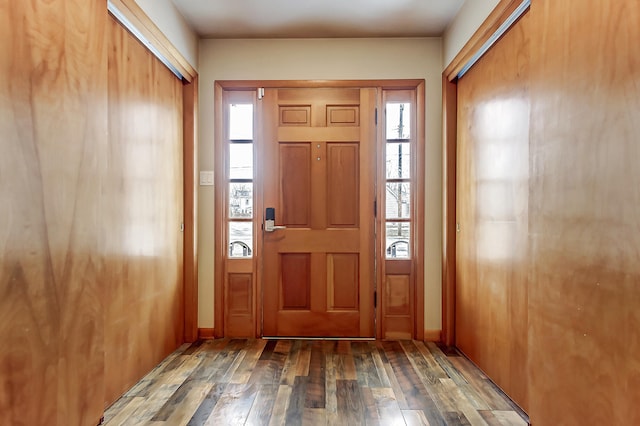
(449, 125)
(419, 211)
(239, 309)
(143, 209)
(342, 281)
(190, 153)
(397, 307)
(585, 223)
(343, 173)
(367, 163)
(582, 202)
(492, 210)
(53, 141)
(239, 296)
(295, 272)
(65, 224)
(397, 296)
(295, 184)
(220, 201)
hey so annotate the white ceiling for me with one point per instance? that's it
(318, 18)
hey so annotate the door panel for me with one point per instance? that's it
(343, 175)
(295, 181)
(319, 168)
(342, 272)
(142, 207)
(492, 211)
(295, 280)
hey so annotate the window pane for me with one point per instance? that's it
(398, 200)
(241, 122)
(240, 239)
(241, 161)
(241, 200)
(398, 120)
(397, 242)
(398, 160)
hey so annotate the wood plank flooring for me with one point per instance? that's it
(314, 382)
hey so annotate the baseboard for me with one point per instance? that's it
(433, 335)
(205, 333)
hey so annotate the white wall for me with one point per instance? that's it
(326, 59)
(471, 15)
(165, 15)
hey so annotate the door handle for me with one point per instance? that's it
(270, 220)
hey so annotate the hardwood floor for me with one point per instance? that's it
(293, 382)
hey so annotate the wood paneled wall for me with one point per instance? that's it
(142, 213)
(91, 204)
(53, 141)
(492, 212)
(584, 293)
(575, 244)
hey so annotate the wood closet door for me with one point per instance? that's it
(318, 169)
(492, 212)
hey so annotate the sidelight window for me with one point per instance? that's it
(398, 180)
(240, 180)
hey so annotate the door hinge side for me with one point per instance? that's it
(375, 299)
(376, 117)
(260, 93)
(375, 207)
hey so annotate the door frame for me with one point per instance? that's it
(220, 87)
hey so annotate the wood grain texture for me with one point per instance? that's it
(342, 270)
(312, 385)
(191, 179)
(221, 228)
(582, 203)
(492, 210)
(295, 181)
(343, 176)
(143, 209)
(585, 197)
(53, 102)
(320, 179)
(68, 247)
(419, 188)
(449, 149)
(398, 307)
(240, 305)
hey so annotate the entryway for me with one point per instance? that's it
(319, 210)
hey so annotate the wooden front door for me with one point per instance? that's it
(319, 163)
